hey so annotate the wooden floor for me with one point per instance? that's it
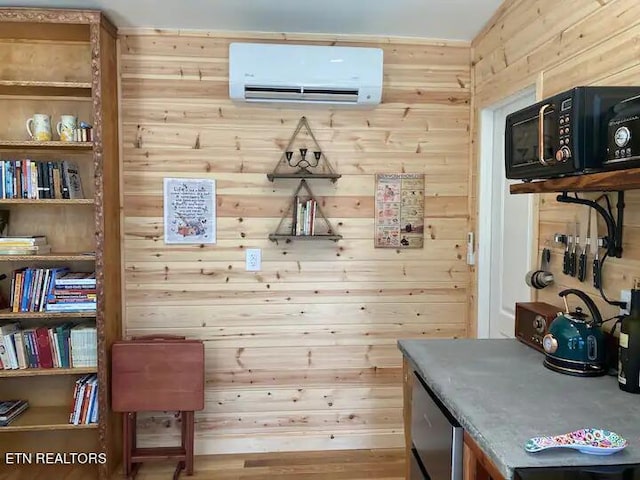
(329, 465)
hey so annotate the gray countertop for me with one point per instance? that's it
(502, 395)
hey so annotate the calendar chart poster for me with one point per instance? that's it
(399, 211)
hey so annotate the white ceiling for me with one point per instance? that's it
(441, 19)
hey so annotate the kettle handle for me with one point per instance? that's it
(593, 310)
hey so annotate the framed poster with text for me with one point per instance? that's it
(399, 210)
(189, 211)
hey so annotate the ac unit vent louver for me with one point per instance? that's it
(301, 94)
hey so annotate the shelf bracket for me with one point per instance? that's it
(613, 240)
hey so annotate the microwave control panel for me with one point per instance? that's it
(564, 130)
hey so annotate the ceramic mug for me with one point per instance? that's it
(66, 128)
(39, 127)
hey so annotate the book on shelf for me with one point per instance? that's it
(76, 278)
(84, 341)
(84, 407)
(71, 178)
(30, 179)
(24, 241)
(27, 245)
(60, 346)
(73, 291)
(10, 410)
(304, 217)
(6, 354)
(84, 133)
(41, 250)
(52, 290)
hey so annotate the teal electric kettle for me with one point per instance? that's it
(574, 344)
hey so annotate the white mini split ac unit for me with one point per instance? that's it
(262, 72)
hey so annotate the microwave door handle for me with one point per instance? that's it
(541, 135)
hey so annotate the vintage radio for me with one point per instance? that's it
(532, 322)
(624, 136)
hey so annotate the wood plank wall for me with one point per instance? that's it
(302, 355)
(558, 45)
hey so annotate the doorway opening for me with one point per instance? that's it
(506, 227)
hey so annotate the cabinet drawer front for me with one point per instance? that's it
(434, 436)
(415, 470)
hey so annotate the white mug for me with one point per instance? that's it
(41, 124)
(66, 128)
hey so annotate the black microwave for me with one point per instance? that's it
(563, 135)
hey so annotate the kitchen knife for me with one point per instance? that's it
(597, 279)
(566, 257)
(597, 273)
(573, 257)
(582, 260)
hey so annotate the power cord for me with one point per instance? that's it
(617, 318)
(615, 303)
(608, 240)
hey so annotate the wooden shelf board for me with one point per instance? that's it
(47, 201)
(44, 419)
(53, 145)
(34, 88)
(274, 237)
(331, 176)
(43, 372)
(616, 180)
(7, 315)
(49, 257)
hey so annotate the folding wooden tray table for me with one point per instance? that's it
(157, 373)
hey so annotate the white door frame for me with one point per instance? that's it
(485, 202)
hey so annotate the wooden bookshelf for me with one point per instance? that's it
(40, 372)
(83, 83)
(38, 419)
(16, 316)
(617, 180)
(52, 145)
(50, 257)
(44, 88)
(287, 232)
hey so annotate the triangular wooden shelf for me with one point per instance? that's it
(288, 227)
(314, 164)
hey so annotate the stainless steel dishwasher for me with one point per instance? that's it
(436, 437)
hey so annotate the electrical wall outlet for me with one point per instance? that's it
(253, 259)
(625, 296)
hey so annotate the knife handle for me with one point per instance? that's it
(582, 267)
(573, 264)
(565, 263)
(597, 278)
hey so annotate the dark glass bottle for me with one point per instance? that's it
(629, 347)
